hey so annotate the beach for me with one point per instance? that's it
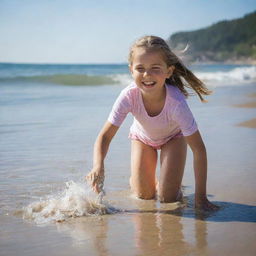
(251, 104)
(48, 128)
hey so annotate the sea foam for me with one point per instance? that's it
(238, 75)
(232, 76)
(235, 76)
(75, 201)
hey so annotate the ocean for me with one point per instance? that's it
(50, 116)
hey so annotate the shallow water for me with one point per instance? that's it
(47, 133)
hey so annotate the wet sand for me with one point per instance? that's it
(149, 228)
(250, 123)
(251, 104)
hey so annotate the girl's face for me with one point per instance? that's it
(149, 70)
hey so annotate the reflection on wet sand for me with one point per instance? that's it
(149, 228)
(163, 234)
(141, 232)
(89, 233)
(201, 238)
(159, 234)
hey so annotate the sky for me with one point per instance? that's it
(88, 31)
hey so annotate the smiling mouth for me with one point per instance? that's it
(148, 84)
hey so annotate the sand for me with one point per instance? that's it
(250, 123)
(251, 104)
(149, 228)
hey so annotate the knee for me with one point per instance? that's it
(169, 197)
(166, 198)
(145, 196)
(142, 192)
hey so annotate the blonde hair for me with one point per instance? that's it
(182, 77)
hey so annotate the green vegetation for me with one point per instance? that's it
(225, 40)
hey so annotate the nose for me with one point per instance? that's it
(147, 72)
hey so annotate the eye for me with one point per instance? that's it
(140, 69)
(156, 68)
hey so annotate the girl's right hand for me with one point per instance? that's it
(96, 179)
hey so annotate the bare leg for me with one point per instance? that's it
(143, 170)
(173, 157)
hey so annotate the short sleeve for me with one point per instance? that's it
(184, 118)
(120, 109)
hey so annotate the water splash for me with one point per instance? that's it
(75, 201)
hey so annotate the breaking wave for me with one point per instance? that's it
(233, 76)
(64, 79)
(238, 75)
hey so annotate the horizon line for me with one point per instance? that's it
(64, 63)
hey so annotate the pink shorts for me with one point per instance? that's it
(135, 137)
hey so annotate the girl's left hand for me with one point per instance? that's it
(205, 204)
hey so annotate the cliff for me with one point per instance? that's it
(233, 40)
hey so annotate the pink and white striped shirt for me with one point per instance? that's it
(174, 119)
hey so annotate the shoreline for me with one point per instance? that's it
(251, 104)
(61, 124)
(245, 61)
(228, 62)
(239, 61)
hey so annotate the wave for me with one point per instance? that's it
(64, 79)
(75, 201)
(239, 75)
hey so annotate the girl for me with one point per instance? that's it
(162, 121)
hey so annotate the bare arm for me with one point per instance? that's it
(101, 146)
(200, 170)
